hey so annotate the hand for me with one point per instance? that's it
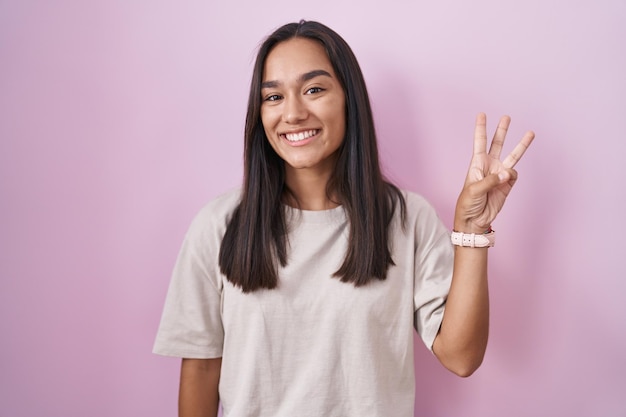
(489, 180)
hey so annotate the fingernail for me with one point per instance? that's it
(502, 175)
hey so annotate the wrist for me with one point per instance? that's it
(474, 240)
(471, 228)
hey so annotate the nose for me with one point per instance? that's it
(294, 110)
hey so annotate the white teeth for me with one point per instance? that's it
(296, 137)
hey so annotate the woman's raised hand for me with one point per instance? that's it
(489, 180)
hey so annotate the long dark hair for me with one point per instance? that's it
(255, 242)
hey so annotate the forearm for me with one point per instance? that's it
(462, 339)
(198, 395)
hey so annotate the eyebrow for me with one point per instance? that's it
(304, 77)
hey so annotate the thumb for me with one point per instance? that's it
(509, 175)
(488, 183)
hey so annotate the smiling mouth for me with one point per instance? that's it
(297, 137)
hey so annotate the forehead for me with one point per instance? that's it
(294, 57)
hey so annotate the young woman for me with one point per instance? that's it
(297, 295)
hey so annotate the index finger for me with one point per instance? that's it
(480, 134)
(513, 158)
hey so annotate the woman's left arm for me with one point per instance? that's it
(462, 339)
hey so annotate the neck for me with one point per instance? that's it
(308, 189)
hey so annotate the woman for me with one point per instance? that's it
(298, 294)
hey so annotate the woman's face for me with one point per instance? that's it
(303, 106)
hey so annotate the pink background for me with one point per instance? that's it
(119, 120)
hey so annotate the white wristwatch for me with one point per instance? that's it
(473, 240)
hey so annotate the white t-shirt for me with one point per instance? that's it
(314, 346)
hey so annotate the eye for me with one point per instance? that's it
(314, 90)
(272, 97)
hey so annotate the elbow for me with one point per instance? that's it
(462, 363)
(461, 360)
(465, 369)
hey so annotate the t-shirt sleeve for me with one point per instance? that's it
(191, 323)
(434, 259)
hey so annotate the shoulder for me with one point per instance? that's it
(214, 216)
(221, 206)
(413, 199)
(416, 205)
(421, 218)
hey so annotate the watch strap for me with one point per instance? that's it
(473, 240)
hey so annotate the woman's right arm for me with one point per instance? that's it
(198, 396)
